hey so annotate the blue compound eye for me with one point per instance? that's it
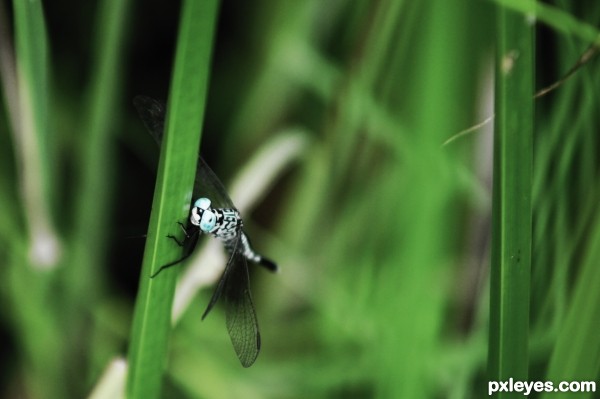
(202, 203)
(208, 221)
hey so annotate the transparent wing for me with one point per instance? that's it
(240, 315)
(152, 112)
(206, 184)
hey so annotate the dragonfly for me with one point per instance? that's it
(213, 213)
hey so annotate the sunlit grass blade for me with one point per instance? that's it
(512, 212)
(177, 168)
(31, 134)
(28, 275)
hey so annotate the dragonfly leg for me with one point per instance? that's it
(178, 241)
(170, 265)
(189, 243)
(183, 228)
(181, 243)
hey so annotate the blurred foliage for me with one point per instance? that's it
(381, 233)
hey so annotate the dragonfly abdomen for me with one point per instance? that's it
(253, 256)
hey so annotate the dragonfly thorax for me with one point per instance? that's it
(223, 223)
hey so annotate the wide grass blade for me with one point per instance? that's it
(177, 167)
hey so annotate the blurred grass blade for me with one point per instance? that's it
(577, 341)
(33, 144)
(512, 217)
(8, 74)
(177, 168)
(33, 315)
(112, 382)
(88, 238)
(555, 17)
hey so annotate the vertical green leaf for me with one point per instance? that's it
(177, 167)
(84, 278)
(512, 214)
(31, 131)
(95, 153)
(32, 314)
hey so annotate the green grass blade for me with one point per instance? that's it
(88, 239)
(31, 131)
(177, 167)
(85, 280)
(33, 317)
(95, 152)
(512, 213)
(573, 356)
(555, 17)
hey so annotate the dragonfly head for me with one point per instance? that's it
(203, 215)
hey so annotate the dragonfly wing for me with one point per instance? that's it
(240, 315)
(152, 112)
(207, 184)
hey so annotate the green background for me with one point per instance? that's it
(382, 232)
